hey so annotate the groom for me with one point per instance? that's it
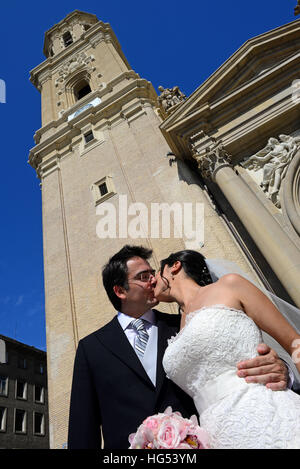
(118, 377)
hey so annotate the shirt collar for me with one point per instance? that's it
(125, 320)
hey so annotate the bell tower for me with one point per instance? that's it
(99, 139)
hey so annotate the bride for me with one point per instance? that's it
(221, 325)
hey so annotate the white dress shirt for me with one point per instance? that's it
(149, 358)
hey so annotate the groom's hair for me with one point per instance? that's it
(193, 264)
(115, 272)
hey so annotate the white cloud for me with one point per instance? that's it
(19, 300)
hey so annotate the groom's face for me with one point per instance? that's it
(140, 296)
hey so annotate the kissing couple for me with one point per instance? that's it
(209, 360)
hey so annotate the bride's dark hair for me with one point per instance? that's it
(193, 264)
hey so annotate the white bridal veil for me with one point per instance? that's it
(220, 267)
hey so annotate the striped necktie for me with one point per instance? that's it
(141, 338)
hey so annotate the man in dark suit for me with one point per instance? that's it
(118, 376)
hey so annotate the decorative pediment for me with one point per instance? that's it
(255, 58)
(261, 67)
(256, 67)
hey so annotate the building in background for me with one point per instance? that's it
(109, 141)
(24, 422)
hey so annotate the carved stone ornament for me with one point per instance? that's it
(215, 157)
(76, 61)
(170, 97)
(297, 8)
(274, 160)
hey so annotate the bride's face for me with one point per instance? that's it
(162, 288)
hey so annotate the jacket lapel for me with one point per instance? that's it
(113, 338)
(165, 331)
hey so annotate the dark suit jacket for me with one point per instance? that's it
(111, 388)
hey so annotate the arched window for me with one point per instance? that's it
(67, 38)
(81, 89)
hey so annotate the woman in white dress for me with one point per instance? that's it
(221, 326)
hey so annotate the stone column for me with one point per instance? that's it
(280, 252)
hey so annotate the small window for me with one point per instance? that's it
(3, 414)
(22, 363)
(3, 385)
(103, 189)
(88, 137)
(21, 390)
(39, 394)
(67, 38)
(20, 421)
(3, 352)
(39, 368)
(86, 26)
(39, 426)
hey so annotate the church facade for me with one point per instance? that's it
(217, 171)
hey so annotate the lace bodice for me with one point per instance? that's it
(202, 359)
(213, 341)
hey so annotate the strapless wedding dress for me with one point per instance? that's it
(201, 359)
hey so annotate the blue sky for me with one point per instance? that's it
(167, 42)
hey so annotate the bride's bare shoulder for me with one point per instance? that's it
(232, 280)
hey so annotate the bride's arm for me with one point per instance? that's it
(267, 317)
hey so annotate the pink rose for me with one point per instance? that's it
(168, 436)
(183, 425)
(153, 423)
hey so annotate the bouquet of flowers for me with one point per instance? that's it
(169, 431)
